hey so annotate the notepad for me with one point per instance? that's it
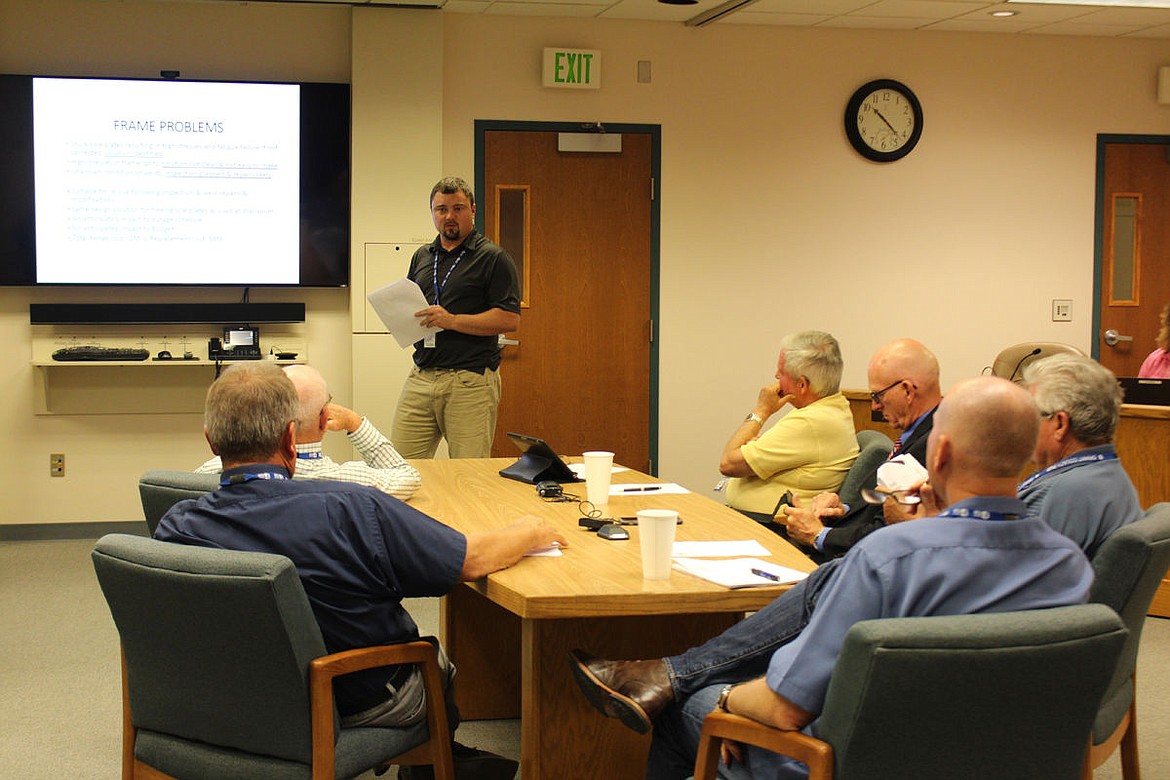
(737, 572)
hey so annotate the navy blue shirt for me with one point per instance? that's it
(358, 552)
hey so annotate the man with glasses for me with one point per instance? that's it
(904, 386)
(381, 466)
(807, 451)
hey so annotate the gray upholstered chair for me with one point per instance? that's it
(874, 448)
(1008, 696)
(160, 490)
(225, 674)
(1129, 565)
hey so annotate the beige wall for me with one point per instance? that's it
(770, 222)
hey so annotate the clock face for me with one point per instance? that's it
(883, 120)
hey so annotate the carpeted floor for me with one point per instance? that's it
(61, 709)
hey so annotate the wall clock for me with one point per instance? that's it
(883, 120)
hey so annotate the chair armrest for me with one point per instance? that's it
(322, 671)
(718, 725)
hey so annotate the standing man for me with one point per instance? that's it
(453, 391)
(810, 449)
(904, 386)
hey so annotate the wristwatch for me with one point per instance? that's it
(753, 417)
(721, 702)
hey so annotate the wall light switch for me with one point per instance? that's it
(1061, 310)
(57, 464)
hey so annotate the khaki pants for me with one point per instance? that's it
(438, 403)
(407, 704)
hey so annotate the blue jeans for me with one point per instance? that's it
(739, 654)
(742, 652)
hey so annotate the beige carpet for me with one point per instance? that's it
(61, 710)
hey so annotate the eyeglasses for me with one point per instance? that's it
(879, 496)
(877, 396)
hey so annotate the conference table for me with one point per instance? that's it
(509, 634)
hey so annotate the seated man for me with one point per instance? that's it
(358, 551)
(639, 691)
(982, 554)
(810, 449)
(904, 385)
(1081, 488)
(381, 465)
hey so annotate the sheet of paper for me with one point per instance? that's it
(718, 549)
(646, 488)
(395, 305)
(553, 551)
(737, 572)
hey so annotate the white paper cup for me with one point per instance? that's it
(656, 538)
(598, 467)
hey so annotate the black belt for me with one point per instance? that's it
(396, 680)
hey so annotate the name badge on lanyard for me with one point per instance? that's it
(429, 341)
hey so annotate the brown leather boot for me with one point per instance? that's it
(634, 692)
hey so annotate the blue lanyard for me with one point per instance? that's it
(308, 456)
(1067, 463)
(239, 479)
(978, 514)
(435, 273)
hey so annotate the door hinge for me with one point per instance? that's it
(651, 331)
(652, 188)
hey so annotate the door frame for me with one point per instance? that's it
(482, 126)
(1099, 223)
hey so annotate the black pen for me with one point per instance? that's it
(640, 489)
(766, 575)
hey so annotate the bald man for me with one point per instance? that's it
(984, 553)
(904, 386)
(381, 466)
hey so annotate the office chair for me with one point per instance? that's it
(875, 447)
(225, 673)
(1010, 362)
(966, 697)
(1129, 567)
(160, 490)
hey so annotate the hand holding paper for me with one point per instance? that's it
(395, 304)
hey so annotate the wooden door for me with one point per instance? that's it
(580, 375)
(1135, 210)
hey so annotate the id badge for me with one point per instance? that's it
(429, 342)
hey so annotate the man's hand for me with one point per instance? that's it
(543, 534)
(927, 506)
(806, 523)
(489, 551)
(436, 317)
(770, 401)
(341, 418)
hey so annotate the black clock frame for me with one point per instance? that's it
(854, 105)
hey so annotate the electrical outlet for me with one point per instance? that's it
(57, 464)
(1061, 310)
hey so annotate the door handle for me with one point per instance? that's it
(1113, 338)
(506, 342)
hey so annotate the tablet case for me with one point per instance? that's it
(537, 463)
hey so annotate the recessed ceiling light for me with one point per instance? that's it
(1003, 14)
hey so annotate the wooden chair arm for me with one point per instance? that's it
(717, 726)
(322, 671)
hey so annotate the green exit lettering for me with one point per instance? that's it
(572, 67)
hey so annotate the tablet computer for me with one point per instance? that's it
(537, 463)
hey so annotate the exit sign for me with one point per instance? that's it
(572, 68)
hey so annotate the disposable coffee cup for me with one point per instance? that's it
(598, 467)
(656, 538)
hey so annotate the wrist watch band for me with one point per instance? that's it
(721, 702)
(753, 417)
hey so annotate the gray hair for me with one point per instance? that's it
(312, 392)
(816, 356)
(248, 410)
(449, 185)
(1082, 388)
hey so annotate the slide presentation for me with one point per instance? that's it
(166, 182)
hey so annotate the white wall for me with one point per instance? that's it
(770, 223)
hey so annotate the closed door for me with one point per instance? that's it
(1135, 252)
(577, 372)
